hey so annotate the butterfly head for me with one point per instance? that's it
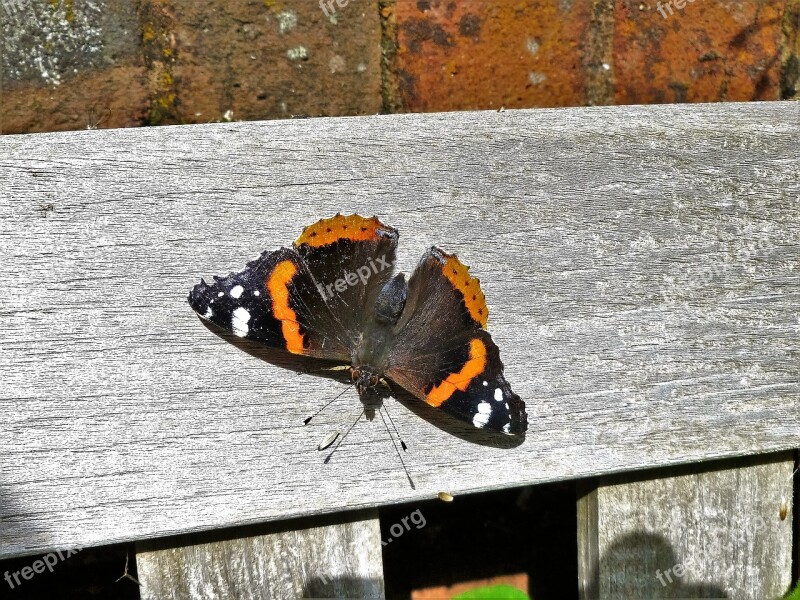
(366, 378)
(369, 385)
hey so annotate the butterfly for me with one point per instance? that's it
(334, 296)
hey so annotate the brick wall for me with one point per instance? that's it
(69, 64)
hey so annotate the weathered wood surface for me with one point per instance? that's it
(641, 264)
(337, 560)
(686, 532)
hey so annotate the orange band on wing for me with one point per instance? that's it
(470, 288)
(277, 285)
(461, 380)
(328, 231)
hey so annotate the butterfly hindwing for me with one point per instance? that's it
(442, 354)
(274, 301)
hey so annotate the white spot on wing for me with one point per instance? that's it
(220, 294)
(482, 416)
(209, 313)
(507, 428)
(485, 383)
(498, 395)
(256, 293)
(236, 291)
(479, 420)
(239, 321)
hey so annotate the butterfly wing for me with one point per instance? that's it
(350, 258)
(443, 355)
(274, 301)
(311, 299)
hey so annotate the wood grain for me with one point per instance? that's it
(686, 532)
(641, 265)
(337, 560)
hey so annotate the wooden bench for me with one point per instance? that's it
(642, 269)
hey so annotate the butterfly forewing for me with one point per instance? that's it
(351, 259)
(274, 300)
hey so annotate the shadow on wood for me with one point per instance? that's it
(636, 558)
(335, 556)
(723, 518)
(322, 368)
(322, 587)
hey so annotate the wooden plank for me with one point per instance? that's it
(686, 532)
(794, 517)
(640, 264)
(340, 559)
(588, 540)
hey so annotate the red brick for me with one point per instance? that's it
(707, 51)
(64, 62)
(105, 98)
(230, 60)
(483, 54)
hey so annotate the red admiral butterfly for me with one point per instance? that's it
(333, 296)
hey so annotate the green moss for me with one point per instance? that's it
(794, 594)
(161, 54)
(493, 592)
(69, 10)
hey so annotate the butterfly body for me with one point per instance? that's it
(334, 296)
(370, 360)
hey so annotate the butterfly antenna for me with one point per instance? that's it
(388, 387)
(400, 456)
(341, 439)
(308, 419)
(397, 433)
